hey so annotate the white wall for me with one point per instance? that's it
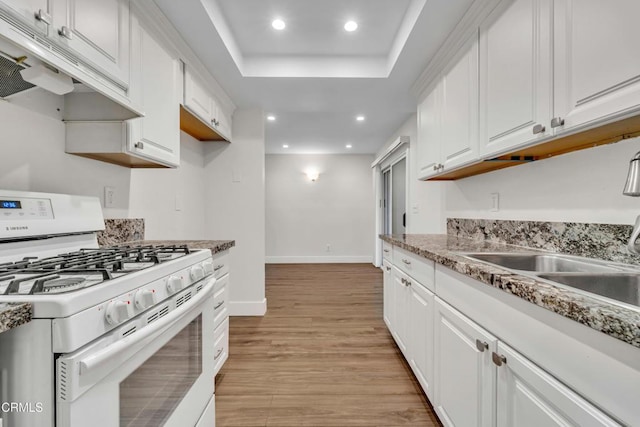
(235, 207)
(583, 186)
(33, 159)
(303, 217)
(171, 200)
(426, 199)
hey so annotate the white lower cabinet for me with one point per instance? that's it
(401, 314)
(470, 373)
(388, 299)
(529, 397)
(412, 324)
(464, 372)
(420, 336)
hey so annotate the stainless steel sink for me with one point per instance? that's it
(546, 263)
(623, 287)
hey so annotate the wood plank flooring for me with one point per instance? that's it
(321, 356)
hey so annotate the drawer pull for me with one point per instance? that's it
(406, 261)
(218, 267)
(388, 268)
(386, 251)
(218, 354)
(498, 359)
(482, 346)
(218, 305)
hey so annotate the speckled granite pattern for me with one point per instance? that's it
(615, 320)
(14, 314)
(601, 241)
(216, 246)
(118, 231)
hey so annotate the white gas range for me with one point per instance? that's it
(119, 337)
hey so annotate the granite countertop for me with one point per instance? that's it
(216, 246)
(615, 320)
(13, 315)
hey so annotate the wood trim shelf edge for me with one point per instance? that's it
(192, 125)
(607, 134)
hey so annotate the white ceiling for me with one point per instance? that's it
(314, 76)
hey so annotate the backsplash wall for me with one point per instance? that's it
(583, 186)
(602, 241)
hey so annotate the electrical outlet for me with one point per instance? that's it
(178, 202)
(495, 202)
(415, 209)
(109, 197)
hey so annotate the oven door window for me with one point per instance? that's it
(151, 393)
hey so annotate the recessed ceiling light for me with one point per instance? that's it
(285, 146)
(360, 118)
(278, 24)
(271, 118)
(348, 145)
(351, 26)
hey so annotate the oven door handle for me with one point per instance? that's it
(117, 350)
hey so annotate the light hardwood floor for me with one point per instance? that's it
(321, 356)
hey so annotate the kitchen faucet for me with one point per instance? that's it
(632, 188)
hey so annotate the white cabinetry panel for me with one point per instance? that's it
(464, 373)
(515, 75)
(597, 66)
(529, 397)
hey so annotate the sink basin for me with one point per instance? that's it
(623, 287)
(545, 263)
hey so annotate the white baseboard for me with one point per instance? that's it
(317, 259)
(248, 308)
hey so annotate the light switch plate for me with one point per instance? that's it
(495, 202)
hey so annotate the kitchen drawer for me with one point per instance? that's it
(421, 269)
(221, 345)
(220, 264)
(221, 301)
(387, 251)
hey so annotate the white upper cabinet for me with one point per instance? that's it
(597, 65)
(98, 31)
(206, 108)
(448, 117)
(35, 13)
(515, 76)
(529, 397)
(157, 135)
(460, 109)
(429, 138)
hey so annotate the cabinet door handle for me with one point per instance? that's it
(139, 145)
(386, 251)
(218, 305)
(403, 280)
(388, 268)
(408, 282)
(435, 167)
(406, 261)
(43, 16)
(498, 359)
(218, 353)
(538, 129)
(482, 346)
(66, 32)
(557, 121)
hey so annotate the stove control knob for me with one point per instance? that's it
(145, 298)
(174, 284)
(117, 312)
(197, 272)
(208, 267)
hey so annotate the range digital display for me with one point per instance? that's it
(10, 204)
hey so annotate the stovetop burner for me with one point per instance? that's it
(77, 270)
